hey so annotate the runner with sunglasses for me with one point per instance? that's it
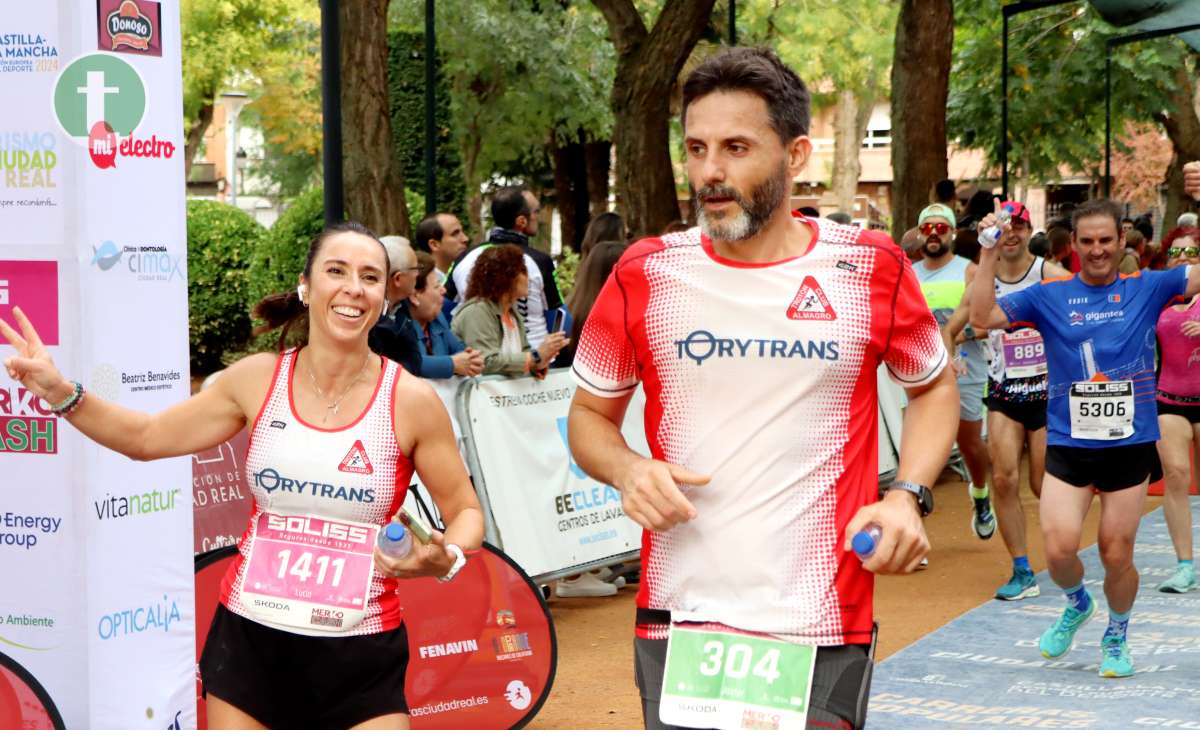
(1179, 408)
(944, 277)
(1016, 397)
(1102, 421)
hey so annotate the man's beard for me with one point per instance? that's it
(754, 213)
(942, 249)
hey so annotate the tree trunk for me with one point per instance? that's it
(598, 157)
(1183, 129)
(648, 65)
(920, 87)
(571, 193)
(374, 180)
(852, 115)
(195, 136)
(472, 146)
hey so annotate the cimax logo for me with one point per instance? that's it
(329, 530)
(700, 345)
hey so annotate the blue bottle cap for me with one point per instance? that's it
(395, 532)
(863, 543)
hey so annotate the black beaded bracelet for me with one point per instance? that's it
(70, 404)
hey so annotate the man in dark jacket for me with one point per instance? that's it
(394, 336)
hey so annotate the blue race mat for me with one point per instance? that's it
(983, 669)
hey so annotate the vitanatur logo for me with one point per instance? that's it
(700, 345)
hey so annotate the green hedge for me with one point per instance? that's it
(406, 89)
(221, 240)
(278, 262)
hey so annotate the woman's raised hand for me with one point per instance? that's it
(32, 366)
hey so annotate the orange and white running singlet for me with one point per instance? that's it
(320, 495)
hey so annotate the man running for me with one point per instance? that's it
(757, 338)
(1016, 398)
(944, 279)
(1098, 329)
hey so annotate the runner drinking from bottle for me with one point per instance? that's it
(1098, 329)
(1016, 397)
(1179, 409)
(309, 633)
(757, 338)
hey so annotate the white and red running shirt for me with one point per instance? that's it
(356, 473)
(764, 377)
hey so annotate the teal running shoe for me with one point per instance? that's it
(1116, 661)
(1060, 637)
(1022, 584)
(1183, 581)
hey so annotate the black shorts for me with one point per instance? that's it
(287, 680)
(841, 684)
(1108, 469)
(1190, 412)
(1030, 414)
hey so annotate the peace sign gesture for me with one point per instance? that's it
(32, 366)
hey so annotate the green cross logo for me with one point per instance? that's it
(99, 87)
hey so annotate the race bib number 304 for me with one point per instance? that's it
(309, 572)
(719, 678)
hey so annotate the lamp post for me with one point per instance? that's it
(233, 101)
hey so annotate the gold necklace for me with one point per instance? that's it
(332, 408)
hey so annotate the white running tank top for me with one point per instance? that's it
(355, 473)
(1033, 275)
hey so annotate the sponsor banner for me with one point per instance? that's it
(221, 499)
(984, 669)
(550, 514)
(100, 544)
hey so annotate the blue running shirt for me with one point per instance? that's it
(1098, 333)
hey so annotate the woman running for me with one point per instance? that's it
(309, 632)
(1179, 409)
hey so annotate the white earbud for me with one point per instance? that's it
(302, 292)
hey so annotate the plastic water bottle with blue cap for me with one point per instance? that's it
(990, 236)
(394, 541)
(866, 540)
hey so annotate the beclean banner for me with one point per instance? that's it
(96, 588)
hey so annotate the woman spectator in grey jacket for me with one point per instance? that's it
(488, 321)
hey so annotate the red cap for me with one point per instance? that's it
(1018, 210)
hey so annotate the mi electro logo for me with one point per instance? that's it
(100, 100)
(270, 481)
(700, 345)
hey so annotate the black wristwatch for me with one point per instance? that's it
(537, 356)
(922, 493)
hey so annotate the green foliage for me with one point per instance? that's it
(520, 76)
(565, 270)
(406, 91)
(1056, 85)
(279, 260)
(220, 240)
(857, 40)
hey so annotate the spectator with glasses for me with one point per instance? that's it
(443, 355)
(1178, 400)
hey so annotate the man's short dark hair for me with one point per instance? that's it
(1097, 207)
(429, 230)
(509, 204)
(757, 71)
(944, 191)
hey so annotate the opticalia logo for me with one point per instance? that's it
(32, 286)
(129, 26)
(135, 505)
(27, 426)
(269, 480)
(152, 262)
(153, 616)
(27, 53)
(700, 345)
(100, 100)
(28, 159)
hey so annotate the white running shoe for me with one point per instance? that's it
(586, 585)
